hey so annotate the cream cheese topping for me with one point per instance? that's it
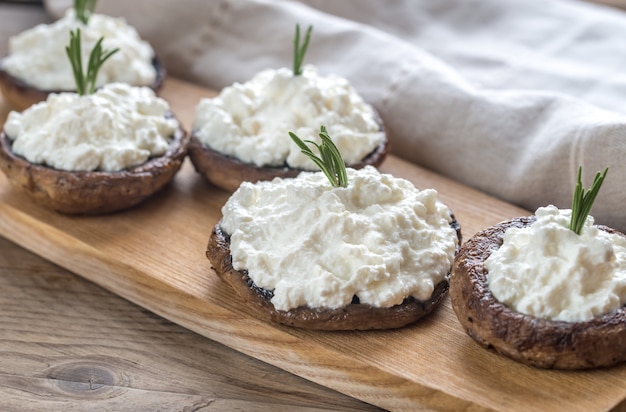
(380, 239)
(117, 127)
(37, 56)
(548, 271)
(251, 121)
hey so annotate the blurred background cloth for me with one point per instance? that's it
(18, 16)
(506, 96)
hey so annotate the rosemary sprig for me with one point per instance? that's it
(582, 201)
(331, 162)
(84, 9)
(86, 82)
(299, 51)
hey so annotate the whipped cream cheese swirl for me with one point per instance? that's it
(380, 239)
(548, 271)
(37, 56)
(117, 127)
(250, 121)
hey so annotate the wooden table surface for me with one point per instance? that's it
(66, 342)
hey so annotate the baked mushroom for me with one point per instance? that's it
(228, 172)
(20, 95)
(92, 192)
(37, 63)
(543, 294)
(353, 316)
(241, 135)
(96, 151)
(374, 253)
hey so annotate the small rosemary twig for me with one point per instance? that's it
(86, 82)
(331, 162)
(84, 9)
(300, 51)
(583, 201)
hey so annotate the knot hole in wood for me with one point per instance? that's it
(81, 379)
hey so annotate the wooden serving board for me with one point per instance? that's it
(153, 255)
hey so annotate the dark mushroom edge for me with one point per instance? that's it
(228, 172)
(599, 342)
(21, 95)
(92, 192)
(355, 316)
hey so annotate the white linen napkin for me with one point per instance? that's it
(509, 97)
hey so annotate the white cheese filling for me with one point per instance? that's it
(380, 239)
(548, 271)
(251, 121)
(117, 127)
(37, 56)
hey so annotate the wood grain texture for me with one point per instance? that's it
(153, 255)
(67, 344)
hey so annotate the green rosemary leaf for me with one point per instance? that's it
(86, 82)
(339, 166)
(84, 9)
(93, 59)
(300, 50)
(328, 173)
(305, 149)
(330, 163)
(582, 200)
(74, 55)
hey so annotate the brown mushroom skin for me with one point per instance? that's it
(227, 172)
(354, 316)
(599, 342)
(94, 192)
(21, 95)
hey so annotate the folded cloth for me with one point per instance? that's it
(509, 97)
(17, 17)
